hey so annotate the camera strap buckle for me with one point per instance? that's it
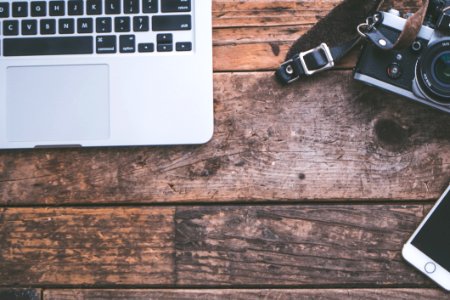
(306, 63)
(316, 60)
(326, 50)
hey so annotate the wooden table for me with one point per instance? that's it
(304, 191)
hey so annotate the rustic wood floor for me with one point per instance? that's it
(307, 191)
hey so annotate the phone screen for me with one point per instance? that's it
(433, 239)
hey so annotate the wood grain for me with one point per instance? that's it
(236, 294)
(20, 294)
(292, 246)
(209, 246)
(326, 138)
(73, 246)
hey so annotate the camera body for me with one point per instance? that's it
(420, 72)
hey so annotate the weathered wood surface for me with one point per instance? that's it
(327, 138)
(20, 294)
(331, 294)
(86, 246)
(239, 246)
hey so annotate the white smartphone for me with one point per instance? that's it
(428, 249)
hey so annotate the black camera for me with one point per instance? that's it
(420, 72)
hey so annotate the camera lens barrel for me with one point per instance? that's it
(433, 72)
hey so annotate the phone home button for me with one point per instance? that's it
(430, 267)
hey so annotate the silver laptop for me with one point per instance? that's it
(105, 73)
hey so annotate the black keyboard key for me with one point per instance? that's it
(56, 8)
(127, 44)
(149, 6)
(10, 27)
(94, 7)
(103, 25)
(85, 25)
(48, 26)
(171, 22)
(66, 26)
(141, 24)
(106, 44)
(175, 5)
(4, 10)
(75, 7)
(20, 9)
(183, 46)
(112, 7)
(29, 27)
(165, 47)
(146, 47)
(47, 46)
(38, 8)
(164, 38)
(131, 6)
(122, 24)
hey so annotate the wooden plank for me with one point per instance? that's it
(20, 294)
(326, 138)
(294, 246)
(338, 294)
(74, 246)
(240, 246)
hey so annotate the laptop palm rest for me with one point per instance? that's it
(57, 103)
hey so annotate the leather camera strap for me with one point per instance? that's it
(407, 36)
(340, 25)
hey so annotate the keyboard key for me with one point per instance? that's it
(106, 44)
(183, 46)
(131, 6)
(171, 22)
(127, 44)
(122, 24)
(75, 7)
(20, 9)
(48, 26)
(10, 27)
(85, 25)
(4, 10)
(66, 26)
(175, 5)
(103, 25)
(146, 47)
(29, 27)
(94, 7)
(112, 7)
(141, 24)
(149, 6)
(164, 38)
(57, 8)
(165, 47)
(47, 46)
(38, 8)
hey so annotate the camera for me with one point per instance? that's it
(420, 72)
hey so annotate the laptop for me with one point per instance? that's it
(105, 73)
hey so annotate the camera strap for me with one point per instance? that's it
(339, 25)
(407, 36)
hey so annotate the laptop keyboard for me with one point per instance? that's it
(98, 27)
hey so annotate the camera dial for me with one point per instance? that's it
(433, 72)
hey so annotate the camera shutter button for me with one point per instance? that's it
(394, 71)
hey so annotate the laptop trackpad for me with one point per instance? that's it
(57, 103)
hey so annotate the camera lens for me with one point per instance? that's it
(433, 72)
(441, 68)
